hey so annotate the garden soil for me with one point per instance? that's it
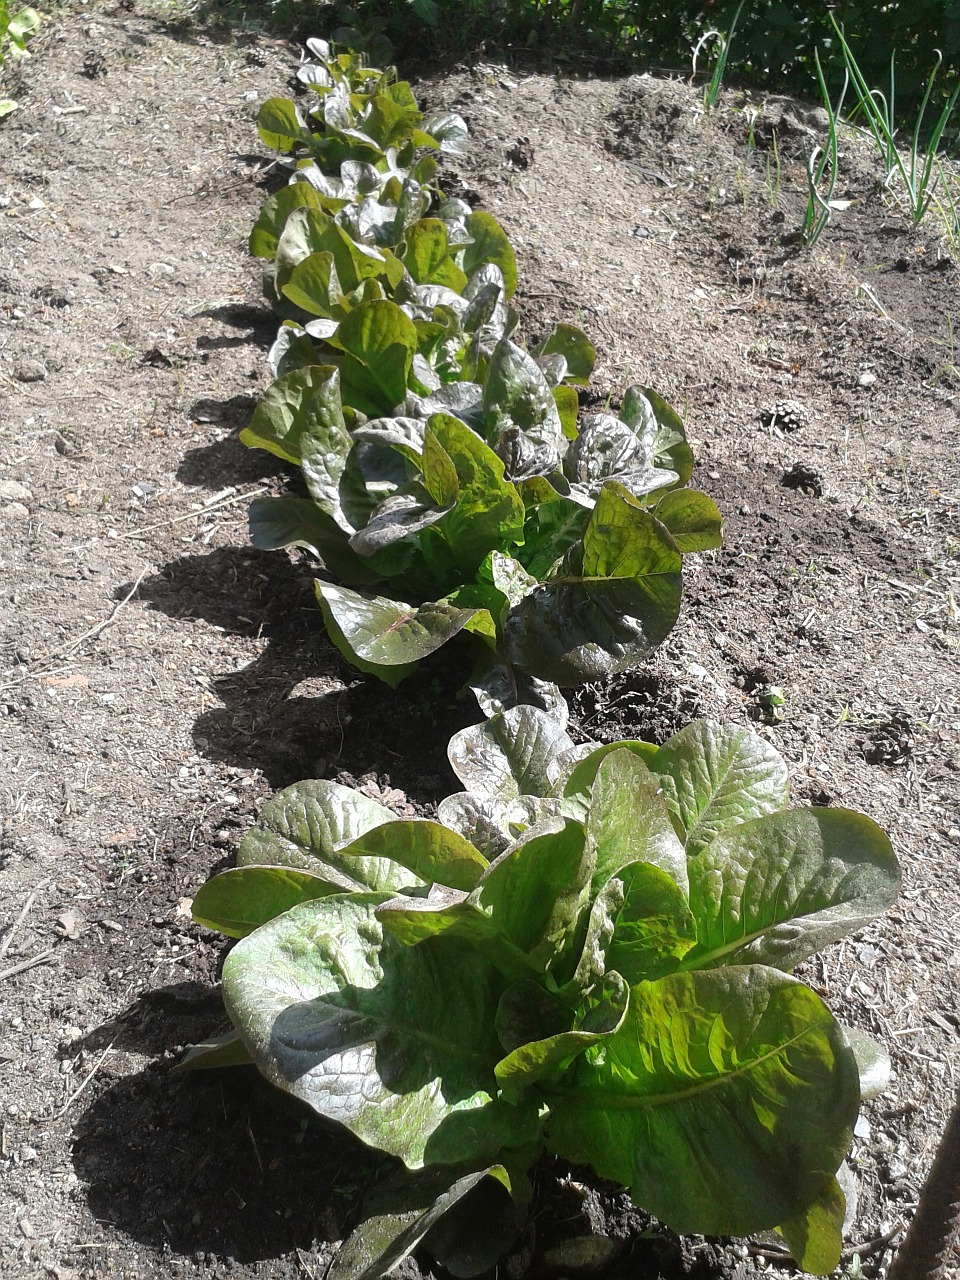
(159, 679)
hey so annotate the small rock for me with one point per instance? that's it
(26, 1228)
(11, 491)
(867, 379)
(30, 371)
(582, 1253)
(16, 511)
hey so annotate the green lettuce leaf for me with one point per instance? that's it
(401, 1211)
(575, 347)
(725, 1102)
(430, 850)
(383, 633)
(243, 898)
(488, 513)
(274, 212)
(715, 776)
(392, 1042)
(628, 821)
(521, 912)
(815, 1235)
(779, 888)
(289, 407)
(612, 600)
(508, 755)
(544, 1061)
(306, 826)
(374, 347)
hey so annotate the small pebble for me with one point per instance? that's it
(30, 371)
(11, 491)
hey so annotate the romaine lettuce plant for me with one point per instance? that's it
(589, 954)
(363, 160)
(359, 113)
(472, 511)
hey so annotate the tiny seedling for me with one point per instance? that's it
(948, 208)
(948, 368)
(16, 28)
(773, 171)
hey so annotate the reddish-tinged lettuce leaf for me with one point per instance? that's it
(606, 606)
(388, 635)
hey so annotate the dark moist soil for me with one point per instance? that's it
(160, 678)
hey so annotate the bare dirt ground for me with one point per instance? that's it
(158, 678)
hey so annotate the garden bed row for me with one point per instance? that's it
(590, 951)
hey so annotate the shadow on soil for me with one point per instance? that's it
(182, 1012)
(225, 462)
(220, 1163)
(297, 710)
(214, 1162)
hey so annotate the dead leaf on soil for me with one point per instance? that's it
(75, 681)
(124, 836)
(70, 924)
(184, 909)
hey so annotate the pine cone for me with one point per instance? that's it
(785, 415)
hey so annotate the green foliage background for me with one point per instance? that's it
(773, 46)
(774, 41)
(772, 49)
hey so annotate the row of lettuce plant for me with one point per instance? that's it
(589, 953)
(454, 488)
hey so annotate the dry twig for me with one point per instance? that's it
(42, 958)
(215, 504)
(59, 654)
(31, 898)
(86, 1080)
